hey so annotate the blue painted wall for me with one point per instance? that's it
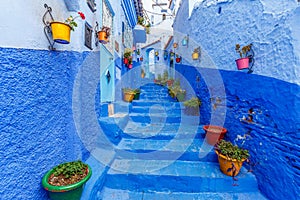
(270, 96)
(272, 28)
(272, 137)
(37, 128)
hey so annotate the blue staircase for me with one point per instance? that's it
(163, 155)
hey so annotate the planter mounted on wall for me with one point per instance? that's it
(246, 60)
(61, 32)
(103, 35)
(196, 53)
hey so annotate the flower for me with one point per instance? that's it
(242, 52)
(71, 21)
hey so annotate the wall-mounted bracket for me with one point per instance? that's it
(47, 27)
(250, 55)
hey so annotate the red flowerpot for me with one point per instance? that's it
(178, 60)
(214, 133)
(242, 63)
(170, 82)
(130, 66)
(125, 61)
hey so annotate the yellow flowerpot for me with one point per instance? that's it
(102, 37)
(228, 163)
(61, 32)
(195, 56)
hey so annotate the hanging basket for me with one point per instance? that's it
(60, 32)
(242, 63)
(102, 37)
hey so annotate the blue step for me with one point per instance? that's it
(162, 130)
(176, 176)
(177, 148)
(156, 102)
(155, 118)
(118, 194)
(155, 109)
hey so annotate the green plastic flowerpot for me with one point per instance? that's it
(68, 192)
(137, 96)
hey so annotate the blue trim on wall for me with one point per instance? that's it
(130, 14)
(72, 5)
(110, 8)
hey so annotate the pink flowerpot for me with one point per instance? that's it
(242, 63)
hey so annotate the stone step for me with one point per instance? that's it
(175, 149)
(176, 176)
(155, 118)
(118, 194)
(162, 130)
(153, 102)
(155, 109)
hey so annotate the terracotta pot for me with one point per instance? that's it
(214, 133)
(128, 96)
(227, 163)
(242, 63)
(102, 37)
(170, 82)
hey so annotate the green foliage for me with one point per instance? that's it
(176, 91)
(127, 53)
(131, 90)
(193, 102)
(70, 168)
(232, 151)
(242, 52)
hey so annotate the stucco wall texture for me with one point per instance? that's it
(37, 128)
(270, 96)
(271, 26)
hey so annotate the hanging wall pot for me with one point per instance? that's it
(103, 35)
(184, 41)
(175, 45)
(165, 55)
(178, 59)
(246, 60)
(195, 54)
(61, 32)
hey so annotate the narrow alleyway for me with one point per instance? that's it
(158, 156)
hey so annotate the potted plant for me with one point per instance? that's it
(192, 106)
(195, 54)
(231, 157)
(243, 61)
(177, 92)
(178, 58)
(128, 94)
(61, 31)
(103, 35)
(214, 133)
(67, 180)
(143, 74)
(128, 57)
(158, 80)
(137, 93)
